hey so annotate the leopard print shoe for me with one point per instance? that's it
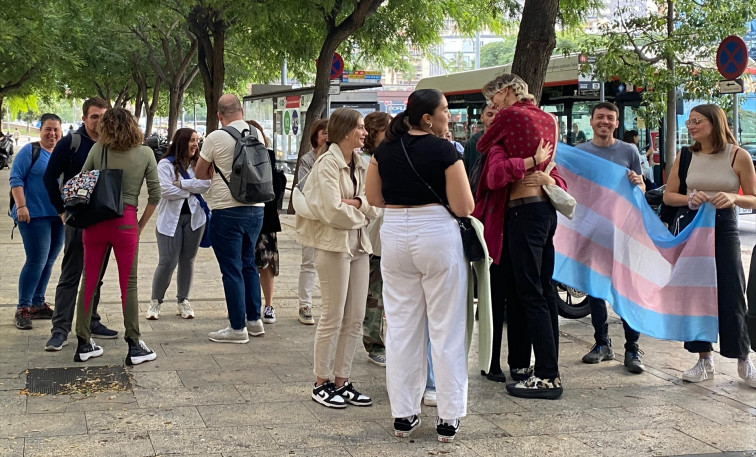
(535, 387)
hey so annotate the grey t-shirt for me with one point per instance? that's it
(621, 153)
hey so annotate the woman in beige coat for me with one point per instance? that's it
(339, 211)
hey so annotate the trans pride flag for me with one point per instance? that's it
(616, 248)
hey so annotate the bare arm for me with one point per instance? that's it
(458, 190)
(203, 169)
(373, 185)
(743, 167)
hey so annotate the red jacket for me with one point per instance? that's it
(512, 137)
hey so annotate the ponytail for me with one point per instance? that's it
(398, 127)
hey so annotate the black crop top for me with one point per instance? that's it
(430, 155)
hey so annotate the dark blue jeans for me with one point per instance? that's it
(43, 239)
(600, 321)
(234, 232)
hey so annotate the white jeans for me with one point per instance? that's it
(307, 276)
(424, 287)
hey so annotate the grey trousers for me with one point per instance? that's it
(68, 284)
(179, 249)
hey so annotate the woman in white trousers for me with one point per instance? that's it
(420, 178)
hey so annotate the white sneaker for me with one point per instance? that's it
(255, 328)
(185, 310)
(229, 335)
(269, 315)
(429, 398)
(747, 372)
(153, 310)
(701, 371)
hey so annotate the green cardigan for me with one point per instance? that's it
(485, 319)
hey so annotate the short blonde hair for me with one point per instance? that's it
(519, 87)
(341, 122)
(118, 129)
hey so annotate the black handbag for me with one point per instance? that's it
(105, 202)
(470, 242)
(669, 214)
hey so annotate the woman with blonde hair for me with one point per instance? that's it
(119, 147)
(318, 140)
(335, 194)
(717, 170)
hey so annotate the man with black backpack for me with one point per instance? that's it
(242, 181)
(66, 161)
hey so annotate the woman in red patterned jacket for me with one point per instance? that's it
(519, 223)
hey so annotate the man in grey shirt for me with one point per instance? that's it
(604, 121)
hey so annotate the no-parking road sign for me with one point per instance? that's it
(732, 57)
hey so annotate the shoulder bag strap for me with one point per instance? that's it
(440, 200)
(104, 158)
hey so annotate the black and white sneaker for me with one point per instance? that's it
(86, 350)
(404, 426)
(326, 395)
(138, 353)
(446, 430)
(351, 396)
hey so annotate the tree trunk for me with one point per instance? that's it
(153, 106)
(335, 36)
(139, 101)
(174, 109)
(670, 134)
(209, 27)
(2, 113)
(535, 42)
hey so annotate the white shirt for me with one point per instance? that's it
(218, 148)
(172, 198)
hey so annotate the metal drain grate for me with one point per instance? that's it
(74, 380)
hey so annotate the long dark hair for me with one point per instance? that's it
(179, 149)
(420, 102)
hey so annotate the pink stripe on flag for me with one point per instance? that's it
(699, 301)
(628, 218)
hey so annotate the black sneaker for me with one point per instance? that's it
(446, 430)
(599, 353)
(633, 361)
(496, 377)
(99, 330)
(535, 387)
(404, 426)
(326, 395)
(521, 374)
(41, 312)
(86, 350)
(23, 319)
(55, 343)
(138, 353)
(351, 396)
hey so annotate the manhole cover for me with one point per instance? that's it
(74, 380)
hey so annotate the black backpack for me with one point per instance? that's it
(251, 179)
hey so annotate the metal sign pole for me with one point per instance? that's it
(736, 117)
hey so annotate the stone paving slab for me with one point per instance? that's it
(206, 399)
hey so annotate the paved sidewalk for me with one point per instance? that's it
(203, 398)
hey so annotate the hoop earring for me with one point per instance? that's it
(430, 125)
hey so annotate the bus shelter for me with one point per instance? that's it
(281, 111)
